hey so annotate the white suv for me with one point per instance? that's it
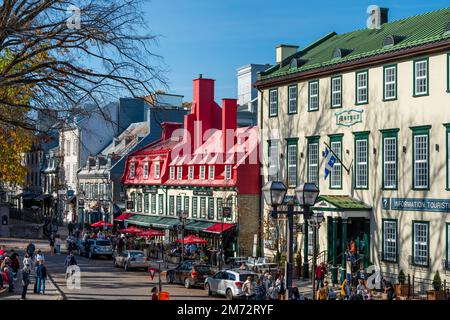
(228, 283)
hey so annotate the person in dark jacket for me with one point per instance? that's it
(30, 249)
(15, 265)
(25, 281)
(41, 275)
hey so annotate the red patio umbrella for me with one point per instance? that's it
(101, 223)
(192, 239)
(151, 233)
(131, 230)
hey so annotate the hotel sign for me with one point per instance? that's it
(415, 204)
(203, 193)
(348, 118)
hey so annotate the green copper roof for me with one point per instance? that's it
(411, 32)
(344, 202)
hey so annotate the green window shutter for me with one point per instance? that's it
(335, 177)
(421, 150)
(389, 156)
(291, 161)
(313, 159)
(362, 160)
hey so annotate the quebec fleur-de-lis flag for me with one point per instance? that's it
(330, 160)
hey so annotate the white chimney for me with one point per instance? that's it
(284, 51)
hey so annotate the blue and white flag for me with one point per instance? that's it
(330, 160)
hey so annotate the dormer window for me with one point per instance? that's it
(97, 163)
(157, 170)
(172, 173)
(391, 40)
(191, 173)
(145, 173)
(339, 53)
(132, 169)
(180, 173)
(211, 172)
(202, 172)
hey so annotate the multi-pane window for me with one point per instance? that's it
(202, 172)
(313, 161)
(191, 173)
(421, 77)
(292, 163)
(421, 165)
(389, 161)
(273, 103)
(161, 204)
(273, 160)
(157, 170)
(146, 202)
(211, 172)
(133, 200)
(336, 170)
(171, 205)
(153, 207)
(390, 83)
(203, 207)
(420, 244)
(139, 202)
(310, 240)
(361, 162)
(211, 208)
(336, 92)
(186, 205)
(179, 205)
(194, 207)
(292, 99)
(145, 173)
(132, 169)
(390, 240)
(180, 173)
(88, 191)
(219, 208)
(95, 191)
(313, 98)
(172, 173)
(362, 87)
(227, 172)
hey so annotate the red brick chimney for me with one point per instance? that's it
(229, 123)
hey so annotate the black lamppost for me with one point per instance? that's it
(315, 221)
(274, 193)
(182, 215)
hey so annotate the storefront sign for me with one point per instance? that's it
(203, 193)
(348, 118)
(150, 190)
(414, 204)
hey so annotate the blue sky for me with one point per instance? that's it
(215, 37)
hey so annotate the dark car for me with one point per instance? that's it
(190, 274)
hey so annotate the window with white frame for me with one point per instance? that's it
(390, 83)
(153, 204)
(273, 103)
(311, 239)
(420, 238)
(228, 172)
(74, 147)
(171, 205)
(186, 205)
(145, 173)
(420, 161)
(361, 161)
(179, 205)
(336, 171)
(219, 208)
(420, 77)
(172, 173)
(211, 208)
(336, 92)
(203, 207)
(180, 173)
(390, 162)
(146, 202)
(292, 101)
(211, 172)
(157, 171)
(132, 169)
(390, 240)
(292, 163)
(160, 203)
(313, 162)
(202, 172)
(273, 160)
(139, 202)
(191, 173)
(67, 148)
(362, 84)
(313, 96)
(194, 207)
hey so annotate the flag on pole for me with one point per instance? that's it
(330, 160)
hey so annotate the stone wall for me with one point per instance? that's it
(249, 223)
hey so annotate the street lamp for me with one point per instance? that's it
(182, 215)
(315, 221)
(274, 193)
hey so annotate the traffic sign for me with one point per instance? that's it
(152, 272)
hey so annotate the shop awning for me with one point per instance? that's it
(218, 228)
(342, 206)
(196, 225)
(142, 220)
(124, 216)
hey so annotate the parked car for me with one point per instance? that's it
(96, 248)
(228, 283)
(132, 259)
(190, 274)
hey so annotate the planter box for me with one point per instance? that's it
(435, 295)
(402, 290)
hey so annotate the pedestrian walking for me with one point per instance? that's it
(280, 285)
(249, 288)
(322, 293)
(8, 279)
(155, 293)
(15, 265)
(27, 260)
(30, 249)
(52, 244)
(41, 275)
(39, 256)
(260, 290)
(319, 277)
(26, 271)
(58, 243)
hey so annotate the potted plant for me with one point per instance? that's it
(437, 293)
(402, 289)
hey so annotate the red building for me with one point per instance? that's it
(208, 168)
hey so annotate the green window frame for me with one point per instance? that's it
(417, 78)
(272, 159)
(194, 207)
(172, 205)
(313, 160)
(291, 161)
(335, 180)
(418, 135)
(186, 204)
(146, 202)
(313, 97)
(336, 92)
(153, 208)
(447, 155)
(292, 98)
(362, 161)
(219, 208)
(389, 84)
(388, 242)
(360, 89)
(389, 166)
(273, 103)
(139, 202)
(203, 207)
(421, 261)
(178, 204)
(160, 203)
(133, 200)
(211, 208)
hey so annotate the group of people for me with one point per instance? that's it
(265, 287)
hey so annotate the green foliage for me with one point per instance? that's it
(401, 277)
(437, 282)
